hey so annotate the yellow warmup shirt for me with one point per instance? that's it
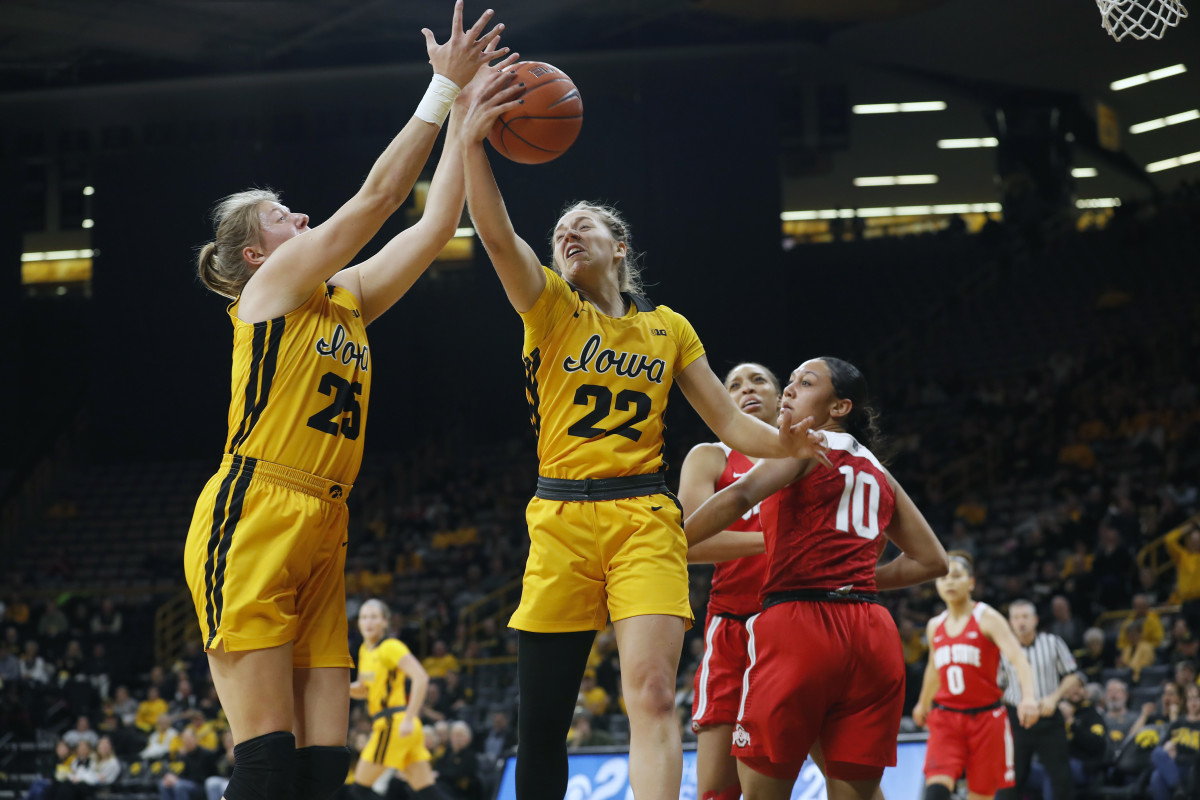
(300, 384)
(382, 663)
(1187, 565)
(598, 385)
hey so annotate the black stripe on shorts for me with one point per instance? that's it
(385, 739)
(225, 534)
(214, 537)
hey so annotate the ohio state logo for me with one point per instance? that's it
(740, 737)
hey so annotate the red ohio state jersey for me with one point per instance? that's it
(735, 584)
(967, 664)
(821, 530)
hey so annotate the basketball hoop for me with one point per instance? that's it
(1141, 19)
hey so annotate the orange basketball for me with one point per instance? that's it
(542, 128)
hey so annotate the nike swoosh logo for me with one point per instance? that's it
(656, 508)
(345, 543)
(737, 475)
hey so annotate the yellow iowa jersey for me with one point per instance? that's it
(382, 663)
(598, 385)
(300, 387)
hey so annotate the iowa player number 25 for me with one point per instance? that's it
(342, 415)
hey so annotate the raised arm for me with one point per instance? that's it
(922, 556)
(515, 262)
(996, 628)
(384, 278)
(699, 474)
(286, 277)
(719, 511)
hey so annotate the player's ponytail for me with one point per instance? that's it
(863, 420)
(219, 263)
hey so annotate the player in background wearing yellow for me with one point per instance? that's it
(397, 737)
(265, 554)
(606, 537)
(739, 554)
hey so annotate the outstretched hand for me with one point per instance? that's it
(486, 71)
(801, 441)
(465, 51)
(497, 94)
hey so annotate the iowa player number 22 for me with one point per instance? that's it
(603, 398)
(342, 415)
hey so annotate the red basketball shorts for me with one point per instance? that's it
(822, 671)
(718, 683)
(982, 744)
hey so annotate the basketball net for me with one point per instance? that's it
(1141, 19)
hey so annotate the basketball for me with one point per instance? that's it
(547, 123)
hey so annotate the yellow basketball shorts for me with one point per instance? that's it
(265, 562)
(389, 748)
(592, 559)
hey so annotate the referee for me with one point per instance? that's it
(1054, 676)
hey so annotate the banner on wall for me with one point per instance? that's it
(605, 775)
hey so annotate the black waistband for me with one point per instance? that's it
(738, 617)
(972, 711)
(387, 712)
(592, 489)
(820, 596)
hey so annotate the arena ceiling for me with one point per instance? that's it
(971, 54)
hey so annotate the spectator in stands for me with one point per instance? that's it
(1136, 654)
(458, 768)
(500, 737)
(593, 697)
(440, 661)
(1160, 714)
(71, 660)
(185, 698)
(1112, 568)
(195, 662)
(163, 742)
(1183, 646)
(1152, 627)
(106, 766)
(214, 785)
(107, 621)
(10, 665)
(429, 710)
(434, 741)
(53, 623)
(1185, 672)
(1118, 717)
(150, 710)
(455, 696)
(82, 732)
(1064, 624)
(98, 669)
(1087, 738)
(188, 770)
(204, 731)
(125, 706)
(33, 667)
(582, 734)
(1183, 544)
(1175, 760)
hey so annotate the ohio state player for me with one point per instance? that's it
(736, 581)
(825, 663)
(968, 725)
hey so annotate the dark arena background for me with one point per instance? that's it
(989, 205)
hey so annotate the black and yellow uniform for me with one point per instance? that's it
(265, 555)
(605, 536)
(386, 705)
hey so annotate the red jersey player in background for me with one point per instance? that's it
(825, 663)
(968, 725)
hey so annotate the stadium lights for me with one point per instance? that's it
(1146, 77)
(57, 255)
(893, 211)
(898, 108)
(88, 191)
(1099, 202)
(460, 233)
(1162, 122)
(1171, 163)
(88, 223)
(1084, 172)
(896, 180)
(960, 144)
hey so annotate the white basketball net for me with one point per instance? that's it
(1141, 19)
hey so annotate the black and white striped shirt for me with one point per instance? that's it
(1051, 661)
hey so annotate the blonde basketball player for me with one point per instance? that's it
(397, 738)
(265, 553)
(606, 536)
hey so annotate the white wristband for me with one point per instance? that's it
(435, 105)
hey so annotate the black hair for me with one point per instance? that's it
(863, 420)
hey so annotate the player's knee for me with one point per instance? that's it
(653, 695)
(937, 791)
(320, 771)
(847, 771)
(264, 768)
